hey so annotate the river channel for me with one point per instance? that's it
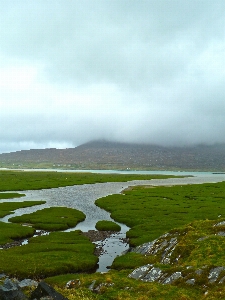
(82, 197)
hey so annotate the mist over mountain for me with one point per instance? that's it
(121, 156)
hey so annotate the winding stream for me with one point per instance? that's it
(82, 197)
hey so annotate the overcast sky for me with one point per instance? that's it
(146, 71)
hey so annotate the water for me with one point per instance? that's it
(82, 197)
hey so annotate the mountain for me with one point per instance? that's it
(110, 155)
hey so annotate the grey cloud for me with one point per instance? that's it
(161, 61)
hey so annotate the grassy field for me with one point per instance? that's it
(33, 180)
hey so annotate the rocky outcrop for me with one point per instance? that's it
(12, 289)
(174, 249)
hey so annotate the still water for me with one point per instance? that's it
(82, 197)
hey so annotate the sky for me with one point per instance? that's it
(136, 71)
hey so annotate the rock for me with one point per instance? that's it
(168, 251)
(140, 272)
(172, 278)
(221, 233)
(11, 291)
(191, 281)
(44, 290)
(214, 274)
(220, 224)
(199, 272)
(153, 275)
(73, 284)
(92, 285)
(28, 282)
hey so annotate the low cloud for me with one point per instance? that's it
(130, 71)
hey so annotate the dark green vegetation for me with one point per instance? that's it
(152, 211)
(107, 226)
(7, 208)
(10, 232)
(101, 155)
(53, 218)
(10, 195)
(56, 253)
(19, 181)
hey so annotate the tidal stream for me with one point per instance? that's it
(82, 197)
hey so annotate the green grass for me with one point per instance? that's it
(53, 254)
(122, 288)
(151, 212)
(10, 195)
(107, 226)
(7, 208)
(28, 180)
(10, 232)
(53, 218)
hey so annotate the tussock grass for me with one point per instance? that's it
(53, 218)
(107, 226)
(10, 232)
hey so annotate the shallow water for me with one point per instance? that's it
(82, 197)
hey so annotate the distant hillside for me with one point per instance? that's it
(108, 155)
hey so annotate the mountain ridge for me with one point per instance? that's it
(113, 155)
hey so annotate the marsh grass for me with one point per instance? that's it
(10, 195)
(107, 226)
(56, 253)
(150, 212)
(7, 208)
(28, 180)
(53, 218)
(10, 232)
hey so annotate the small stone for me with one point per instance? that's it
(73, 284)
(28, 282)
(91, 286)
(191, 281)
